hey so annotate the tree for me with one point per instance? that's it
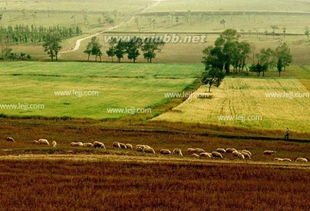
(111, 51)
(307, 32)
(132, 48)
(52, 46)
(223, 22)
(212, 77)
(284, 57)
(94, 48)
(150, 47)
(257, 68)
(120, 50)
(266, 58)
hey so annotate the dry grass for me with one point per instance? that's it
(246, 97)
(61, 185)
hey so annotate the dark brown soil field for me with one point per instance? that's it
(65, 185)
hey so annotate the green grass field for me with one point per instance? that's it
(112, 86)
(249, 102)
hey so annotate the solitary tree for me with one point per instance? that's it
(223, 22)
(52, 46)
(212, 77)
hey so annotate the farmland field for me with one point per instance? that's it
(112, 86)
(55, 185)
(249, 102)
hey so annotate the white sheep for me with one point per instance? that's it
(230, 150)
(116, 145)
(54, 144)
(191, 150)
(165, 152)
(217, 155)
(98, 144)
(43, 142)
(199, 150)
(195, 155)
(10, 139)
(278, 159)
(205, 155)
(302, 160)
(88, 144)
(246, 151)
(35, 142)
(246, 155)
(177, 152)
(287, 160)
(148, 149)
(129, 146)
(139, 148)
(221, 150)
(123, 146)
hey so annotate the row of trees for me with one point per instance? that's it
(33, 34)
(268, 58)
(228, 52)
(120, 48)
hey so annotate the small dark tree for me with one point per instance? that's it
(132, 48)
(120, 50)
(150, 48)
(212, 77)
(111, 51)
(284, 57)
(307, 32)
(52, 46)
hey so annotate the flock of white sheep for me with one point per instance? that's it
(194, 152)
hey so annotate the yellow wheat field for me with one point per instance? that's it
(247, 102)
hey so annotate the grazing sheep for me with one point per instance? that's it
(116, 145)
(246, 151)
(302, 160)
(165, 152)
(177, 152)
(195, 155)
(199, 150)
(98, 144)
(123, 146)
(269, 152)
(140, 148)
(278, 159)
(54, 144)
(77, 144)
(191, 150)
(43, 142)
(88, 145)
(287, 160)
(129, 146)
(217, 155)
(148, 149)
(236, 153)
(10, 139)
(230, 150)
(205, 155)
(221, 150)
(246, 155)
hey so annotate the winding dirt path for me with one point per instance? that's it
(79, 41)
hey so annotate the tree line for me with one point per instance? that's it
(120, 48)
(229, 54)
(20, 34)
